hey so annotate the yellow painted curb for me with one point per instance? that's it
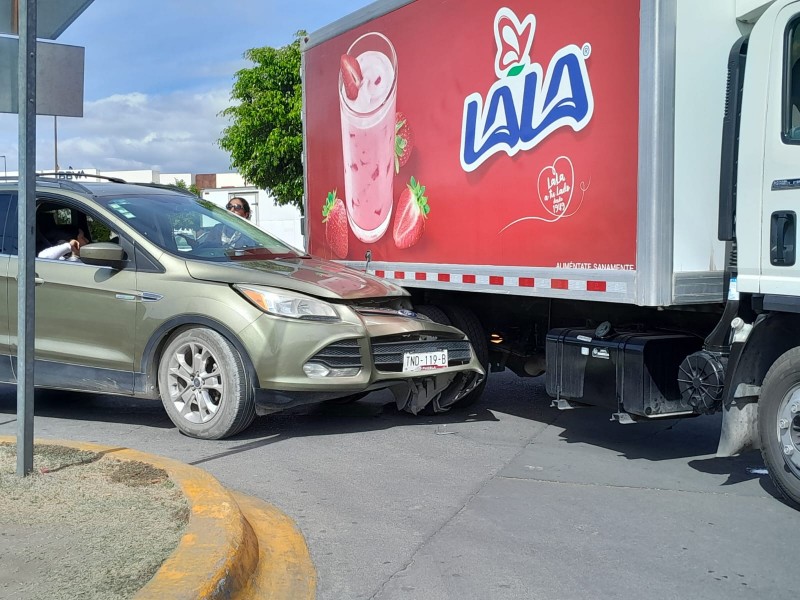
(220, 552)
(284, 569)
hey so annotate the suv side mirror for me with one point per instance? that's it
(103, 254)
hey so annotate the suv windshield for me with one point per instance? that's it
(193, 228)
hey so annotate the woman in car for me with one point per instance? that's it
(71, 239)
(223, 235)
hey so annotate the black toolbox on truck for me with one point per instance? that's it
(628, 372)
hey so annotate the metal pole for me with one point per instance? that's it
(55, 139)
(5, 169)
(26, 238)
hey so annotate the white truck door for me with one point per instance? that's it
(780, 217)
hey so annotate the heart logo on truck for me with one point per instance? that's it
(555, 186)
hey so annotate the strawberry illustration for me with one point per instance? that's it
(351, 76)
(335, 219)
(412, 210)
(403, 141)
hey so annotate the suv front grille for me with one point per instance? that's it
(388, 354)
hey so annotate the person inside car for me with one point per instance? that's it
(240, 206)
(71, 239)
(223, 235)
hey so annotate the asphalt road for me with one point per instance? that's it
(511, 500)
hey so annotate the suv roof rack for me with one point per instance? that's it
(167, 186)
(57, 179)
(61, 176)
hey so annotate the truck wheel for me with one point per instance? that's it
(434, 313)
(204, 386)
(465, 320)
(779, 424)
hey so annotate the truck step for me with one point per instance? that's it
(627, 419)
(564, 404)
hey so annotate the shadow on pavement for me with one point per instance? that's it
(505, 394)
(86, 407)
(658, 440)
(371, 414)
(746, 466)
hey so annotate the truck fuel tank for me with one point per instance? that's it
(628, 372)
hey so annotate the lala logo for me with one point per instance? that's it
(525, 104)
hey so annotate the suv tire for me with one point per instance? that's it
(204, 386)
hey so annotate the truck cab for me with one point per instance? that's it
(768, 188)
(759, 199)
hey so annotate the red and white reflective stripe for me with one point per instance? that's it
(543, 283)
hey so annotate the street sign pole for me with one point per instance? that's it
(26, 238)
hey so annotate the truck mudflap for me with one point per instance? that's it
(440, 391)
(739, 426)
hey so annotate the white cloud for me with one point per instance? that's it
(145, 62)
(171, 133)
(175, 132)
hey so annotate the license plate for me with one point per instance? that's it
(424, 361)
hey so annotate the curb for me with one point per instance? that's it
(234, 546)
(284, 568)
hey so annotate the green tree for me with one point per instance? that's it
(191, 188)
(265, 138)
(187, 220)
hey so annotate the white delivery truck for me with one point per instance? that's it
(605, 191)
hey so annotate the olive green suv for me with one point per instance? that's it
(172, 297)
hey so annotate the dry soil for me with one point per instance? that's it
(84, 526)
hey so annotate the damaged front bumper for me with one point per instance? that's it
(379, 358)
(440, 391)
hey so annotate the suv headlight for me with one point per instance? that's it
(283, 303)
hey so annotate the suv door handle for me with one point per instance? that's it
(36, 279)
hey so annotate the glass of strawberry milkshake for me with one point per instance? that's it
(367, 100)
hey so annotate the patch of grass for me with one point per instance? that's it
(99, 528)
(135, 474)
(48, 458)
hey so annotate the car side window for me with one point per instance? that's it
(58, 223)
(99, 231)
(792, 75)
(8, 223)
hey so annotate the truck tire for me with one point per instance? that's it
(779, 424)
(466, 320)
(434, 313)
(204, 385)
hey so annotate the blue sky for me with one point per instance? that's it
(157, 73)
